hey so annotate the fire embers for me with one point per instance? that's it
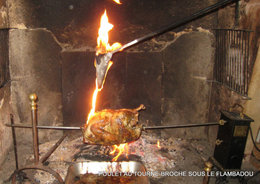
(110, 127)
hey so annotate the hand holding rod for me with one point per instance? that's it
(102, 60)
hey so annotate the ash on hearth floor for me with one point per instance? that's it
(174, 154)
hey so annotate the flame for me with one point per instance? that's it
(102, 41)
(103, 46)
(117, 1)
(119, 149)
(94, 99)
(158, 144)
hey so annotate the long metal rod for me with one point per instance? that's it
(181, 126)
(19, 125)
(53, 148)
(144, 128)
(177, 24)
(14, 142)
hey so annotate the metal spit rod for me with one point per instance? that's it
(185, 20)
(221, 122)
(53, 148)
(180, 126)
(19, 125)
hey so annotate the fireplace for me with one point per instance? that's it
(49, 48)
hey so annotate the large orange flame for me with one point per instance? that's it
(117, 1)
(103, 46)
(122, 148)
(102, 41)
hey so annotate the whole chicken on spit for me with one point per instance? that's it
(110, 127)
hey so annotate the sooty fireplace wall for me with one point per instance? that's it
(51, 48)
(51, 52)
(149, 73)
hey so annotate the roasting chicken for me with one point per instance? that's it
(110, 127)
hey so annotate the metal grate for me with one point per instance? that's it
(232, 64)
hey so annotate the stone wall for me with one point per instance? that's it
(52, 45)
(35, 67)
(251, 20)
(31, 61)
(188, 71)
(5, 106)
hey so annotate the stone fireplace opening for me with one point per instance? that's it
(48, 48)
